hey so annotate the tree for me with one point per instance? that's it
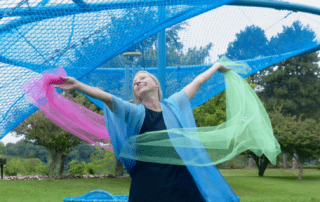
(23, 149)
(292, 38)
(296, 136)
(39, 130)
(10, 149)
(294, 85)
(2, 148)
(249, 44)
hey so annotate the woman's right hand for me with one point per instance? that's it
(69, 83)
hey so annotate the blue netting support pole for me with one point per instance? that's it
(162, 54)
(127, 82)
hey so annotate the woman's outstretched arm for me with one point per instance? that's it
(70, 83)
(192, 88)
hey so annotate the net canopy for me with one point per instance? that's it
(87, 38)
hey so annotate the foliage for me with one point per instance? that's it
(35, 166)
(252, 43)
(80, 153)
(18, 166)
(102, 162)
(10, 149)
(39, 130)
(249, 44)
(292, 38)
(76, 168)
(32, 166)
(295, 86)
(293, 83)
(24, 148)
(296, 135)
(91, 168)
(13, 167)
(212, 112)
(2, 148)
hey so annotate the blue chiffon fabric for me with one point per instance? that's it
(126, 121)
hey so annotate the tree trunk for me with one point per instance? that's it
(54, 160)
(251, 163)
(262, 163)
(300, 161)
(294, 161)
(284, 160)
(63, 158)
(118, 167)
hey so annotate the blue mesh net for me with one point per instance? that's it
(88, 38)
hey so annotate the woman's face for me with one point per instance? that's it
(143, 83)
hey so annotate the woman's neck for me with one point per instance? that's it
(152, 103)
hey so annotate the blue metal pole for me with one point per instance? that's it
(162, 54)
(127, 82)
(134, 71)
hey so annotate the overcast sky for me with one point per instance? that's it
(193, 28)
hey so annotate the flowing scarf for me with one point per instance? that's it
(68, 115)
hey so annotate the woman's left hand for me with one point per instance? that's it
(222, 68)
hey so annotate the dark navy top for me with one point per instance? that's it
(161, 182)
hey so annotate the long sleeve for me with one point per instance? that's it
(125, 121)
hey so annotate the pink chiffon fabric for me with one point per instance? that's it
(68, 115)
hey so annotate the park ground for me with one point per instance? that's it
(277, 185)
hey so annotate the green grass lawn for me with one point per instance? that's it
(276, 185)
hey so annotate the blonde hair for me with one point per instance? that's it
(138, 101)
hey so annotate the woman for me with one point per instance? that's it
(150, 181)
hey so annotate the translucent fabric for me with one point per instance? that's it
(248, 127)
(126, 120)
(70, 116)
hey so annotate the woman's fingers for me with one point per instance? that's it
(64, 79)
(223, 69)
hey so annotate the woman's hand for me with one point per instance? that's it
(69, 83)
(222, 68)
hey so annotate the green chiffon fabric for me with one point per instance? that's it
(247, 127)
